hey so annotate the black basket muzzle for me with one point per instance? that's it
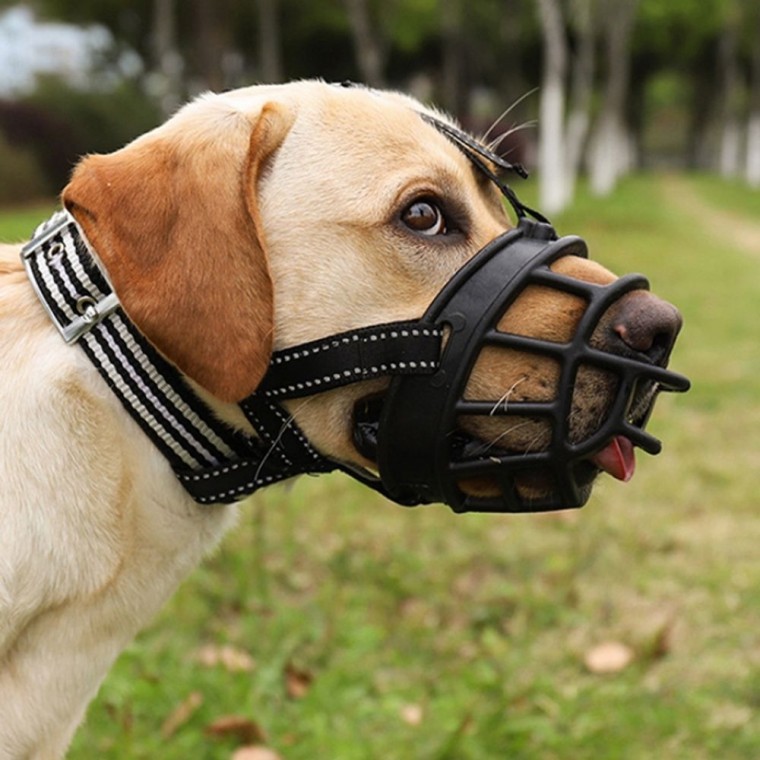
(422, 453)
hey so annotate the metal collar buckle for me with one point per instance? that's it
(47, 252)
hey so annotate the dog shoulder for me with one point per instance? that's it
(10, 259)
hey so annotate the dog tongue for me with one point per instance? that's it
(617, 458)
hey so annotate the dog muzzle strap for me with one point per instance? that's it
(398, 348)
(282, 449)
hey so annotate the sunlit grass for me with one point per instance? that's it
(422, 634)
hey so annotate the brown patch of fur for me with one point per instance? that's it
(174, 221)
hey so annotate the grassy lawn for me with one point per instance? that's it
(334, 625)
(17, 225)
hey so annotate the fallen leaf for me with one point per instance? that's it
(608, 657)
(255, 753)
(297, 681)
(412, 714)
(232, 659)
(662, 642)
(181, 714)
(242, 728)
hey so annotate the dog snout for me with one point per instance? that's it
(643, 323)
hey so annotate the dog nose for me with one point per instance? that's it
(646, 324)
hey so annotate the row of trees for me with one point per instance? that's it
(712, 49)
(611, 83)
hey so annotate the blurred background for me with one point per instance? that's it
(595, 86)
(334, 625)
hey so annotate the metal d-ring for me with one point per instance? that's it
(87, 308)
(55, 252)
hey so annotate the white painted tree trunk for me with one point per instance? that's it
(753, 124)
(730, 149)
(582, 85)
(610, 154)
(553, 179)
(729, 154)
(753, 150)
(553, 192)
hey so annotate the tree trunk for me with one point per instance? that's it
(730, 140)
(166, 61)
(452, 56)
(753, 125)
(553, 196)
(611, 149)
(581, 93)
(270, 41)
(368, 43)
(211, 43)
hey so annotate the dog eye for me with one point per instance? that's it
(425, 217)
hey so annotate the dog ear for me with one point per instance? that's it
(173, 217)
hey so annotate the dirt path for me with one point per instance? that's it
(737, 229)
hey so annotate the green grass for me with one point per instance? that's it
(728, 195)
(480, 622)
(17, 225)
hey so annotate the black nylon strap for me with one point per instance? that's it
(279, 431)
(283, 452)
(397, 348)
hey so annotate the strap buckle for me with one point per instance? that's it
(45, 252)
(91, 312)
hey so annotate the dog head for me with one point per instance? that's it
(268, 217)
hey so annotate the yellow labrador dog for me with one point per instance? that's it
(250, 222)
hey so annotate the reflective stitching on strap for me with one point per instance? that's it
(286, 355)
(366, 374)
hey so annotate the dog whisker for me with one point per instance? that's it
(505, 398)
(487, 447)
(534, 444)
(497, 141)
(278, 438)
(506, 113)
